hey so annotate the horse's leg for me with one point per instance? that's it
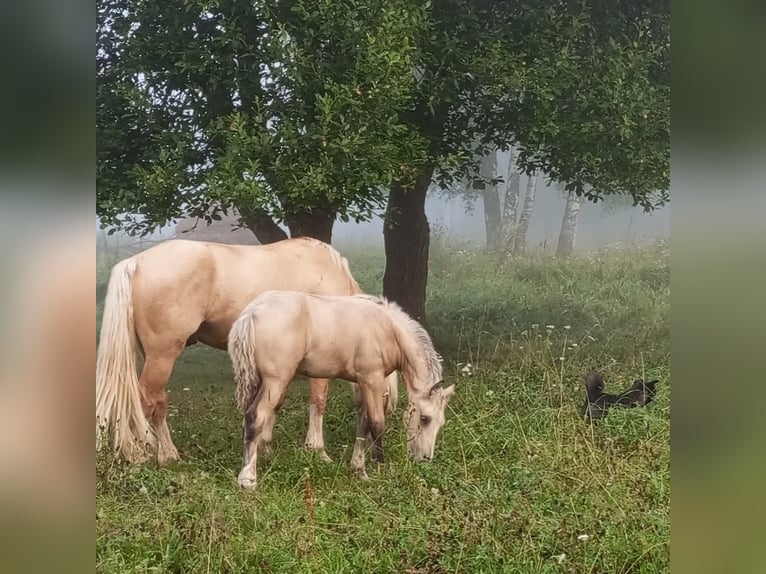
(154, 398)
(318, 389)
(259, 427)
(362, 429)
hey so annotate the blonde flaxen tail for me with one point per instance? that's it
(118, 397)
(241, 349)
(393, 393)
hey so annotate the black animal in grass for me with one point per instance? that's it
(598, 403)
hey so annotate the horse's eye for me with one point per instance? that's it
(424, 420)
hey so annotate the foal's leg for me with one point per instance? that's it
(154, 399)
(376, 416)
(362, 430)
(370, 422)
(318, 389)
(259, 427)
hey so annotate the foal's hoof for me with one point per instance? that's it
(361, 474)
(168, 458)
(246, 480)
(320, 451)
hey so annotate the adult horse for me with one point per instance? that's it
(361, 339)
(182, 292)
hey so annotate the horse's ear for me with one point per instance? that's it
(437, 387)
(447, 393)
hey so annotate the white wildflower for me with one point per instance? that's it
(535, 325)
(550, 327)
(583, 537)
(185, 388)
(561, 358)
(435, 491)
(575, 345)
(560, 558)
(567, 327)
(143, 490)
(490, 393)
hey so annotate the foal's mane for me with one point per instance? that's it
(432, 359)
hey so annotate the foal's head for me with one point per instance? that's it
(423, 420)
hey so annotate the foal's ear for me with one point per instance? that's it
(447, 393)
(437, 387)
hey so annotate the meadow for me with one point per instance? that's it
(519, 482)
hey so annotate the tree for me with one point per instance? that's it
(486, 185)
(582, 88)
(286, 111)
(510, 204)
(568, 232)
(520, 239)
(298, 111)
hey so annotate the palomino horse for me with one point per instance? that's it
(361, 339)
(181, 292)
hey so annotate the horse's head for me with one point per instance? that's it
(423, 420)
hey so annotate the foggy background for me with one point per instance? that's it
(456, 219)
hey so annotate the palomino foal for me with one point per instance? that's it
(359, 338)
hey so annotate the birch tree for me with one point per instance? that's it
(568, 233)
(520, 238)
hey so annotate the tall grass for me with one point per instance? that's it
(519, 483)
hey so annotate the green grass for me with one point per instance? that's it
(517, 476)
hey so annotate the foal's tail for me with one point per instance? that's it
(118, 397)
(241, 348)
(393, 393)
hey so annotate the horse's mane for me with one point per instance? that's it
(432, 359)
(339, 261)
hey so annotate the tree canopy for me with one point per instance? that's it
(274, 107)
(300, 106)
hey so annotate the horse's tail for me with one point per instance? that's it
(241, 348)
(118, 397)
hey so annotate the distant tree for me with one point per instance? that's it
(510, 203)
(568, 233)
(520, 239)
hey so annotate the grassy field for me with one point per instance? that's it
(519, 482)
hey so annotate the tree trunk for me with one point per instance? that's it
(510, 203)
(317, 224)
(262, 225)
(490, 200)
(520, 241)
(569, 226)
(406, 238)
